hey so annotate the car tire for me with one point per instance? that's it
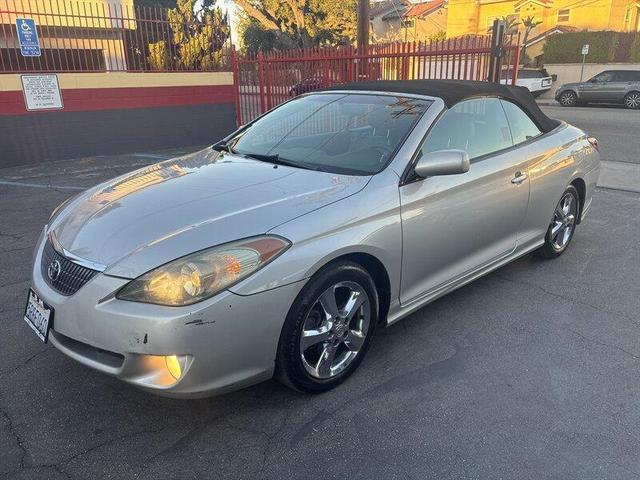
(563, 225)
(632, 100)
(319, 348)
(568, 98)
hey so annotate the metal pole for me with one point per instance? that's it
(582, 68)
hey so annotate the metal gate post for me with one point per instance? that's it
(497, 44)
(261, 82)
(236, 84)
(516, 62)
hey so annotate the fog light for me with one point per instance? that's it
(173, 366)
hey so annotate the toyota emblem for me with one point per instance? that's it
(53, 271)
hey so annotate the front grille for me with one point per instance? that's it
(71, 276)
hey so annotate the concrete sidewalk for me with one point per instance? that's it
(620, 176)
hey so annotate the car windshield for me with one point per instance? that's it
(350, 133)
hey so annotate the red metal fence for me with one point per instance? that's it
(263, 81)
(79, 36)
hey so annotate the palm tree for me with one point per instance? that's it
(510, 24)
(529, 24)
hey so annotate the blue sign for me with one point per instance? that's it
(28, 37)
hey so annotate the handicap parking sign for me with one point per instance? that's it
(28, 37)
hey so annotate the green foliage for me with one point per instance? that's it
(158, 56)
(155, 3)
(438, 36)
(276, 24)
(199, 31)
(604, 47)
(634, 54)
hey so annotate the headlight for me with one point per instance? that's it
(201, 275)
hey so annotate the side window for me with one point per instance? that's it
(628, 76)
(522, 127)
(476, 126)
(603, 77)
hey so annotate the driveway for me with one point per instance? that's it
(528, 373)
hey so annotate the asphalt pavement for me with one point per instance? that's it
(616, 128)
(530, 372)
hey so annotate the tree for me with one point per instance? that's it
(510, 24)
(199, 30)
(299, 23)
(529, 24)
(155, 3)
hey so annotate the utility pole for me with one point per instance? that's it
(363, 26)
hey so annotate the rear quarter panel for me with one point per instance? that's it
(557, 159)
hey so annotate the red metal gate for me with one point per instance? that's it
(264, 80)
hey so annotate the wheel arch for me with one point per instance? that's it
(378, 272)
(581, 186)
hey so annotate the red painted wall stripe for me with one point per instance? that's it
(88, 99)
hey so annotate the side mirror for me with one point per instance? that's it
(554, 77)
(442, 162)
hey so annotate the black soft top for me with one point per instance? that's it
(454, 91)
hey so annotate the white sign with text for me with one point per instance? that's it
(41, 92)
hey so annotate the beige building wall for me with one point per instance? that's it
(72, 25)
(468, 17)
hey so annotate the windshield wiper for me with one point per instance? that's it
(276, 159)
(222, 146)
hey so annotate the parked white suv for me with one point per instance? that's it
(537, 80)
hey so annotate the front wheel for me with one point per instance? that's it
(328, 328)
(563, 224)
(632, 100)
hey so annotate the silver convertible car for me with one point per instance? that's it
(281, 249)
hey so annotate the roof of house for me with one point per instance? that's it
(415, 10)
(551, 31)
(455, 91)
(424, 8)
(544, 3)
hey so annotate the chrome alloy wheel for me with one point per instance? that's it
(632, 100)
(568, 98)
(335, 329)
(564, 221)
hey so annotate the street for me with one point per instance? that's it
(615, 128)
(528, 373)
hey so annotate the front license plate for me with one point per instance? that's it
(38, 316)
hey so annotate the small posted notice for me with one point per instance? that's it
(41, 92)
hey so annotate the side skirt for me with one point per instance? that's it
(398, 312)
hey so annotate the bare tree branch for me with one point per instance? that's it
(298, 13)
(253, 12)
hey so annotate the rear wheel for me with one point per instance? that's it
(568, 98)
(563, 224)
(328, 328)
(632, 100)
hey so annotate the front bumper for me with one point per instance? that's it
(229, 341)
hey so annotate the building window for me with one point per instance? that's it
(407, 23)
(563, 15)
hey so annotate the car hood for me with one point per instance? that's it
(151, 216)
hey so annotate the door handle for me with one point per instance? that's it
(519, 178)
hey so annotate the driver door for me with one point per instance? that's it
(455, 224)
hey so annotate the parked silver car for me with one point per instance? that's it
(610, 86)
(282, 248)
